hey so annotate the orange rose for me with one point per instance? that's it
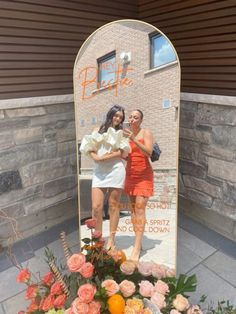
(31, 292)
(60, 301)
(56, 288)
(48, 279)
(87, 270)
(75, 262)
(47, 303)
(32, 307)
(86, 292)
(23, 276)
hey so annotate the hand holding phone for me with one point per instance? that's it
(126, 125)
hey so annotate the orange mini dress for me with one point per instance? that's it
(139, 173)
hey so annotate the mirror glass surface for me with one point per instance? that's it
(134, 65)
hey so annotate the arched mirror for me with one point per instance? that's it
(131, 64)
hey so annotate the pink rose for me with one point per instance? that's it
(194, 309)
(94, 307)
(75, 262)
(161, 287)
(79, 307)
(158, 271)
(91, 223)
(127, 288)
(86, 292)
(96, 234)
(115, 254)
(31, 292)
(69, 311)
(158, 299)
(56, 288)
(128, 267)
(23, 276)
(180, 303)
(145, 288)
(145, 268)
(111, 286)
(86, 270)
(60, 301)
(173, 311)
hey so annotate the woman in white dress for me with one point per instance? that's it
(106, 146)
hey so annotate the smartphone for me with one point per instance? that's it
(126, 125)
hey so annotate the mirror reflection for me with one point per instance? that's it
(127, 91)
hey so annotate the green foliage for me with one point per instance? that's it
(181, 285)
(223, 307)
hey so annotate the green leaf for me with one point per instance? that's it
(86, 240)
(184, 284)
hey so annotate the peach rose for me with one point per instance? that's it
(111, 286)
(48, 279)
(128, 267)
(158, 299)
(75, 262)
(79, 307)
(158, 271)
(161, 287)
(147, 311)
(69, 311)
(127, 288)
(180, 303)
(96, 234)
(135, 304)
(129, 310)
(94, 307)
(173, 311)
(86, 270)
(170, 272)
(31, 292)
(145, 268)
(194, 309)
(86, 292)
(23, 276)
(47, 303)
(56, 288)
(60, 301)
(91, 223)
(146, 288)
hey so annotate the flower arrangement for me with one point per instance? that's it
(103, 281)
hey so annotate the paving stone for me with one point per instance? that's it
(56, 248)
(8, 290)
(15, 303)
(14, 211)
(194, 244)
(1, 309)
(225, 269)
(211, 285)
(37, 264)
(186, 259)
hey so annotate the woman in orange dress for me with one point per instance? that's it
(139, 176)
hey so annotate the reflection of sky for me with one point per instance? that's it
(163, 52)
(107, 71)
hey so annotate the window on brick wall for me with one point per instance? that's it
(162, 52)
(106, 69)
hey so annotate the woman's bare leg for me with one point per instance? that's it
(98, 195)
(139, 220)
(114, 213)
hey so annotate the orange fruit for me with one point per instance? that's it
(116, 304)
(122, 256)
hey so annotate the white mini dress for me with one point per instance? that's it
(108, 173)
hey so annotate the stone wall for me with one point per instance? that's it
(207, 181)
(38, 178)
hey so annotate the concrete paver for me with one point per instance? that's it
(186, 259)
(213, 286)
(15, 304)
(223, 265)
(199, 247)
